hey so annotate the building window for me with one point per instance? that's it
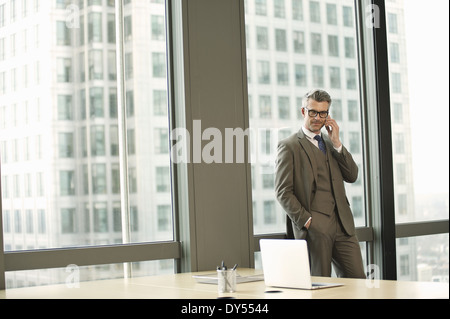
(280, 40)
(316, 43)
(317, 73)
(98, 140)
(392, 23)
(331, 14)
(282, 73)
(63, 33)
(300, 75)
(299, 41)
(333, 46)
(353, 111)
(99, 179)
(261, 7)
(65, 108)
(263, 72)
(335, 77)
(64, 70)
(349, 44)
(351, 79)
(348, 14)
(265, 107)
(100, 218)
(67, 183)
(164, 217)
(159, 65)
(269, 212)
(158, 29)
(284, 111)
(66, 145)
(404, 265)
(95, 27)
(162, 179)
(68, 222)
(96, 65)
(314, 11)
(297, 10)
(262, 38)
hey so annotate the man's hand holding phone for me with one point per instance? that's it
(333, 131)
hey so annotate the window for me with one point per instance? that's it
(63, 137)
(65, 109)
(67, 183)
(261, 7)
(279, 9)
(96, 65)
(349, 43)
(297, 10)
(333, 46)
(314, 11)
(159, 64)
(95, 30)
(335, 77)
(64, 72)
(262, 38)
(417, 157)
(280, 40)
(263, 70)
(331, 14)
(299, 41)
(158, 29)
(284, 73)
(300, 75)
(316, 43)
(66, 145)
(348, 14)
(63, 34)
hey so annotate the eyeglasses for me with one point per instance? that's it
(312, 113)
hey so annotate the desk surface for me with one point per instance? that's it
(184, 286)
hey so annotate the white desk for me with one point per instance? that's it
(184, 286)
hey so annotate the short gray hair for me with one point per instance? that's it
(316, 95)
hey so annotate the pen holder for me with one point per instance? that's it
(226, 280)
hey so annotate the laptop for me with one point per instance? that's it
(285, 264)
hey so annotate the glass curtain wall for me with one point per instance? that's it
(294, 46)
(418, 47)
(59, 132)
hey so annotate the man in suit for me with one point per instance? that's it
(311, 168)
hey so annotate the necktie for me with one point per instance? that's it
(319, 139)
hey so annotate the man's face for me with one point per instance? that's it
(314, 124)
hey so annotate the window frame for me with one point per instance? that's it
(126, 252)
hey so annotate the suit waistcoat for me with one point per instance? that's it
(323, 199)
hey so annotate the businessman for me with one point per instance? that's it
(311, 168)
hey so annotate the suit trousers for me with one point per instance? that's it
(329, 244)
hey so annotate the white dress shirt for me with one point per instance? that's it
(310, 135)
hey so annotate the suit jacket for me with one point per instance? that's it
(295, 181)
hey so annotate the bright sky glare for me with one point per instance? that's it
(427, 31)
